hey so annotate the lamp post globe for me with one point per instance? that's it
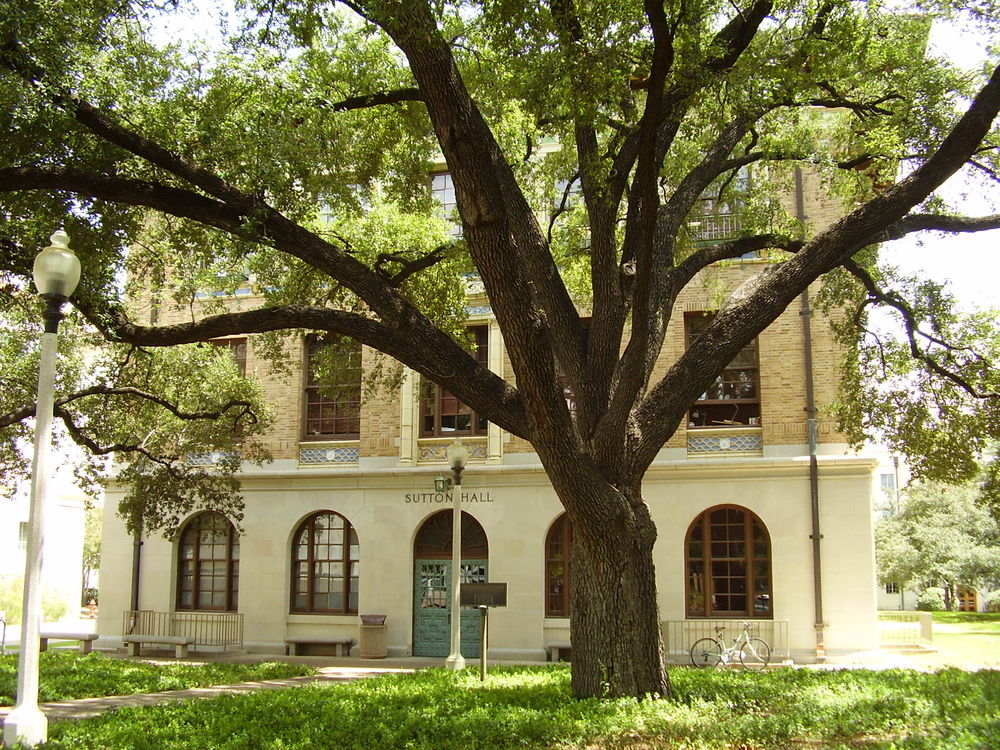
(56, 274)
(458, 455)
(57, 269)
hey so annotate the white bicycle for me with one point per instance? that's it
(753, 653)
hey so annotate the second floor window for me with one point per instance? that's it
(333, 389)
(734, 397)
(238, 348)
(443, 191)
(443, 413)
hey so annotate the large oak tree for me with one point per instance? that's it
(297, 151)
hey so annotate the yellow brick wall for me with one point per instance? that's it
(782, 381)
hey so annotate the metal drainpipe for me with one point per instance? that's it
(810, 409)
(136, 563)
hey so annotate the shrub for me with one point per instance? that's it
(993, 601)
(931, 600)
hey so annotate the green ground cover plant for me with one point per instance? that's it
(961, 618)
(532, 707)
(65, 676)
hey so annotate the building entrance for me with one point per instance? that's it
(432, 584)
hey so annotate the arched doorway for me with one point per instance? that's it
(432, 584)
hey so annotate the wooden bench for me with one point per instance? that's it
(554, 649)
(86, 640)
(342, 645)
(134, 641)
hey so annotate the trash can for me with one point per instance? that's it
(373, 637)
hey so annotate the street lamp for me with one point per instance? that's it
(458, 455)
(56, 273)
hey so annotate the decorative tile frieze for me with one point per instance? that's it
(312, 455)
(438, 451)
(210, 458)
(726, 442)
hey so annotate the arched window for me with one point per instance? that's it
(728, 564)
(208, 568)
(325, 565)
(558, 545)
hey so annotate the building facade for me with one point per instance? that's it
(345, 520)
(62, 547)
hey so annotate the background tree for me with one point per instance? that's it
(319, 108)
(942, 537)
(92, 535)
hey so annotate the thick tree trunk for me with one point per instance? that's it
(615, 622)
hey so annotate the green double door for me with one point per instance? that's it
(432, 608)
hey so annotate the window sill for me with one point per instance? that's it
(305, 618)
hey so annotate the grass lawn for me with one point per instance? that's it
(963, 639)
(66, 675)
(531, 707)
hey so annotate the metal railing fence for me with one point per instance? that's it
(206, 628)
(905, 628)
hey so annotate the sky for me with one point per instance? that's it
(970, 262)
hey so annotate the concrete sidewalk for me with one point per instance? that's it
(345, 670)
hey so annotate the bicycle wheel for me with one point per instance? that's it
(706, 652)
(755, 654)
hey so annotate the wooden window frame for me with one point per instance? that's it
(193, 528)
(313, 399)
(558, 568)
(238, 348)
(726, 412)
(438, 404)
(349, 560)
(758, 589)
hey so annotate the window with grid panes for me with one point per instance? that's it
(238, 348)
(728, 565)
(443, 413)
(333, 405)
(325, 569)
(734, 398)
(443, 192)
(208, 570)
(558, 549)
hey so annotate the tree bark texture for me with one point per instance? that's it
(615, 624)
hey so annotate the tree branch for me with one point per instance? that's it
(171, 200)
(941, 223)
(913, 331)
(686, 269)
(98, 449)
(245, 407)
(409, 266)
(407, 94)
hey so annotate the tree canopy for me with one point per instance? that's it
(295, 154)
(942, 536)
